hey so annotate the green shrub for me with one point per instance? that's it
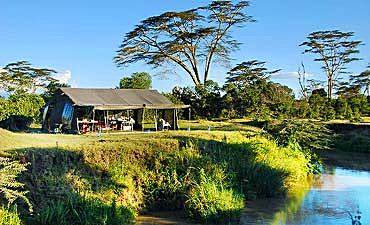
(310, 135)
(20, 110)
(9, 216)
(211, 202)
(258, 167)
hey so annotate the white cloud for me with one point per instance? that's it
(63, 77)
(2, 70)
(289, 75)
(73, 84)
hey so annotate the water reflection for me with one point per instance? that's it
(328, 200)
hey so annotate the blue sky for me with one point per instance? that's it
(79, 38)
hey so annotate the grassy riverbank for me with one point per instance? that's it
(113, 178)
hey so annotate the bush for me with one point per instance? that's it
(211, 202)
(9, 216)
(19, 111)
(310, 135)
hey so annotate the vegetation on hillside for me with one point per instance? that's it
(209, 174)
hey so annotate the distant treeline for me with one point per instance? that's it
(249, 92)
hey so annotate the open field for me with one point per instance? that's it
(10, 140)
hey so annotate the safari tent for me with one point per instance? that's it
(77, 110)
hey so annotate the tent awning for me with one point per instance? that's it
(125, 107)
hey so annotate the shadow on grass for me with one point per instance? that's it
(64, 190)
(351, 137)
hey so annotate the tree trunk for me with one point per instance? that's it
(330, 87)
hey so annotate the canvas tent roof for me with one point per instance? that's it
(118, 99)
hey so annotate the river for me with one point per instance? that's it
(331, 198)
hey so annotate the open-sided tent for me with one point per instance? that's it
(69, 105)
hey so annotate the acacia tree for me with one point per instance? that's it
(335, 50)
(249, 90)
(362, 80)
(21, 77)
(191, 39)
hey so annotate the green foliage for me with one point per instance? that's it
(79, 211)
(205, 100)
(249, 92)
(141, 80)
(5, 109)
(10, 187)
(9, 216)
(348, 106)
(308, 134)
(18, 111)
(213, 203)
(362, 80)
(27, 105)
(259, 167)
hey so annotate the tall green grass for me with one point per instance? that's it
(9, 216)
(213, 203)
(79, 211)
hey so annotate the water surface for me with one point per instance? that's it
(331, 199)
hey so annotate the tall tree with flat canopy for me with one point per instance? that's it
(21, 77)
(191, 39)
(335, 50)
(362, 80)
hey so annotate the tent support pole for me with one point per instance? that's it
(189, 114)
(78, 127)
(174, 119)
(93, 120)
(107, 127)
(142, 120)
(156, 119)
